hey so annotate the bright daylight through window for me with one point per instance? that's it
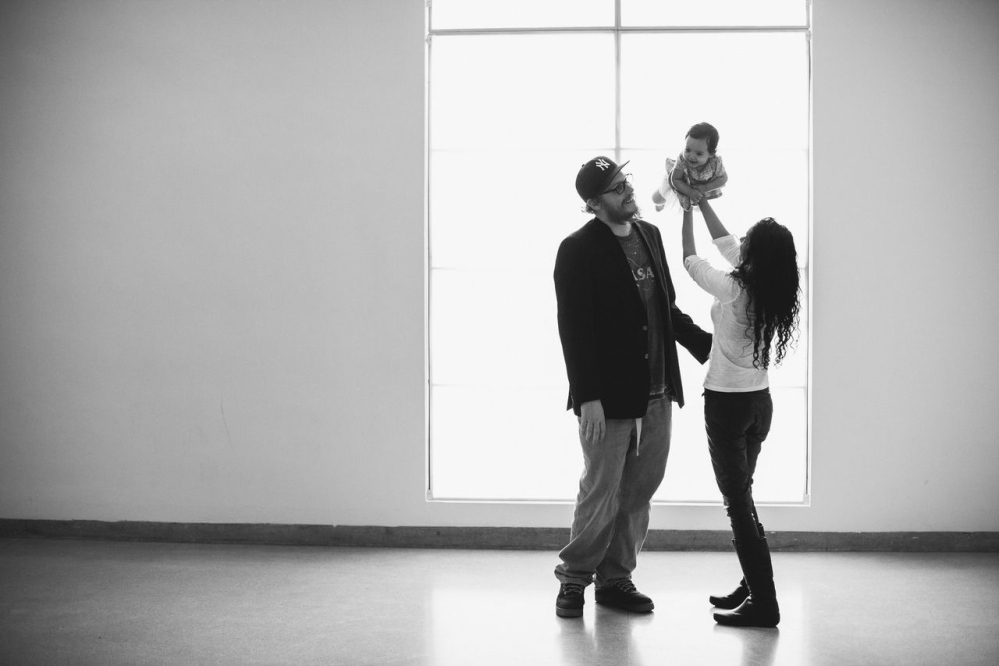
(520, 95)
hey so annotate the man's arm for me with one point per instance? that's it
(692, 337)
(573, 291)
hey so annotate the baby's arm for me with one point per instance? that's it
(713, 184)
(719, 180)
(679, 183)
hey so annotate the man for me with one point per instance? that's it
(619, 326)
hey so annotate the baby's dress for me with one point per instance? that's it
(712, 169)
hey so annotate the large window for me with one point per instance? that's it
(520, 95)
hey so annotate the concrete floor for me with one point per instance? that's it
(104, 602)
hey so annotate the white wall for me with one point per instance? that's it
(211, 267)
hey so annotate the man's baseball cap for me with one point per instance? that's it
(595, 176)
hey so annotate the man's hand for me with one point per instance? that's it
(592, 426)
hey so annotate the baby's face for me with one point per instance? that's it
(696, 152)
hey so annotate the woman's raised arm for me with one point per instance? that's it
(715, 226)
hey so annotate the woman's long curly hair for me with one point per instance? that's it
(769, 272)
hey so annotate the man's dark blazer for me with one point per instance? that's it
(603, 323)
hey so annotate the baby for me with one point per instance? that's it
(696, 173)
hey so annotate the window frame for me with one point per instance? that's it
(618, 31)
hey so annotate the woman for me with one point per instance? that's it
(755, 316)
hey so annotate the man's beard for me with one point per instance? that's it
(622, 216)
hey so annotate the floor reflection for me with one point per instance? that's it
(132, 603)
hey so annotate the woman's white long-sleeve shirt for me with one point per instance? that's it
(730, 368)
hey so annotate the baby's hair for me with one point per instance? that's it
(705, 131)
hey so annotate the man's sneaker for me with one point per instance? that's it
(570, 600)
(622, 594)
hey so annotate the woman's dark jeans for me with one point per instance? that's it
(737, 424)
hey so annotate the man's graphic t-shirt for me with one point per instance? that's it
(640, 262)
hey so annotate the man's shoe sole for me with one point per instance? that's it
(568, 612)
(640, 608)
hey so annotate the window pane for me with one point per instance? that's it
(713, 13)
(752, 86)
(781, 476)
(480, 453)
(477, 456)
(495, 328)
(469, 14)
(751, 194)
(474, 226)
(516, 91)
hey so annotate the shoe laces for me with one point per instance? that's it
(572, 588)
(625, 585)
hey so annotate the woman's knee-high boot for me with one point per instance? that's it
(760, 608)
(730, 601)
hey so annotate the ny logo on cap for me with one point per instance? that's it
(602, 164)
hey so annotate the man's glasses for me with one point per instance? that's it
(619, 188)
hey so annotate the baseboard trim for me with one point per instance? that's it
(503, 538)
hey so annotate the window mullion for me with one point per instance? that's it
(617, 81)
